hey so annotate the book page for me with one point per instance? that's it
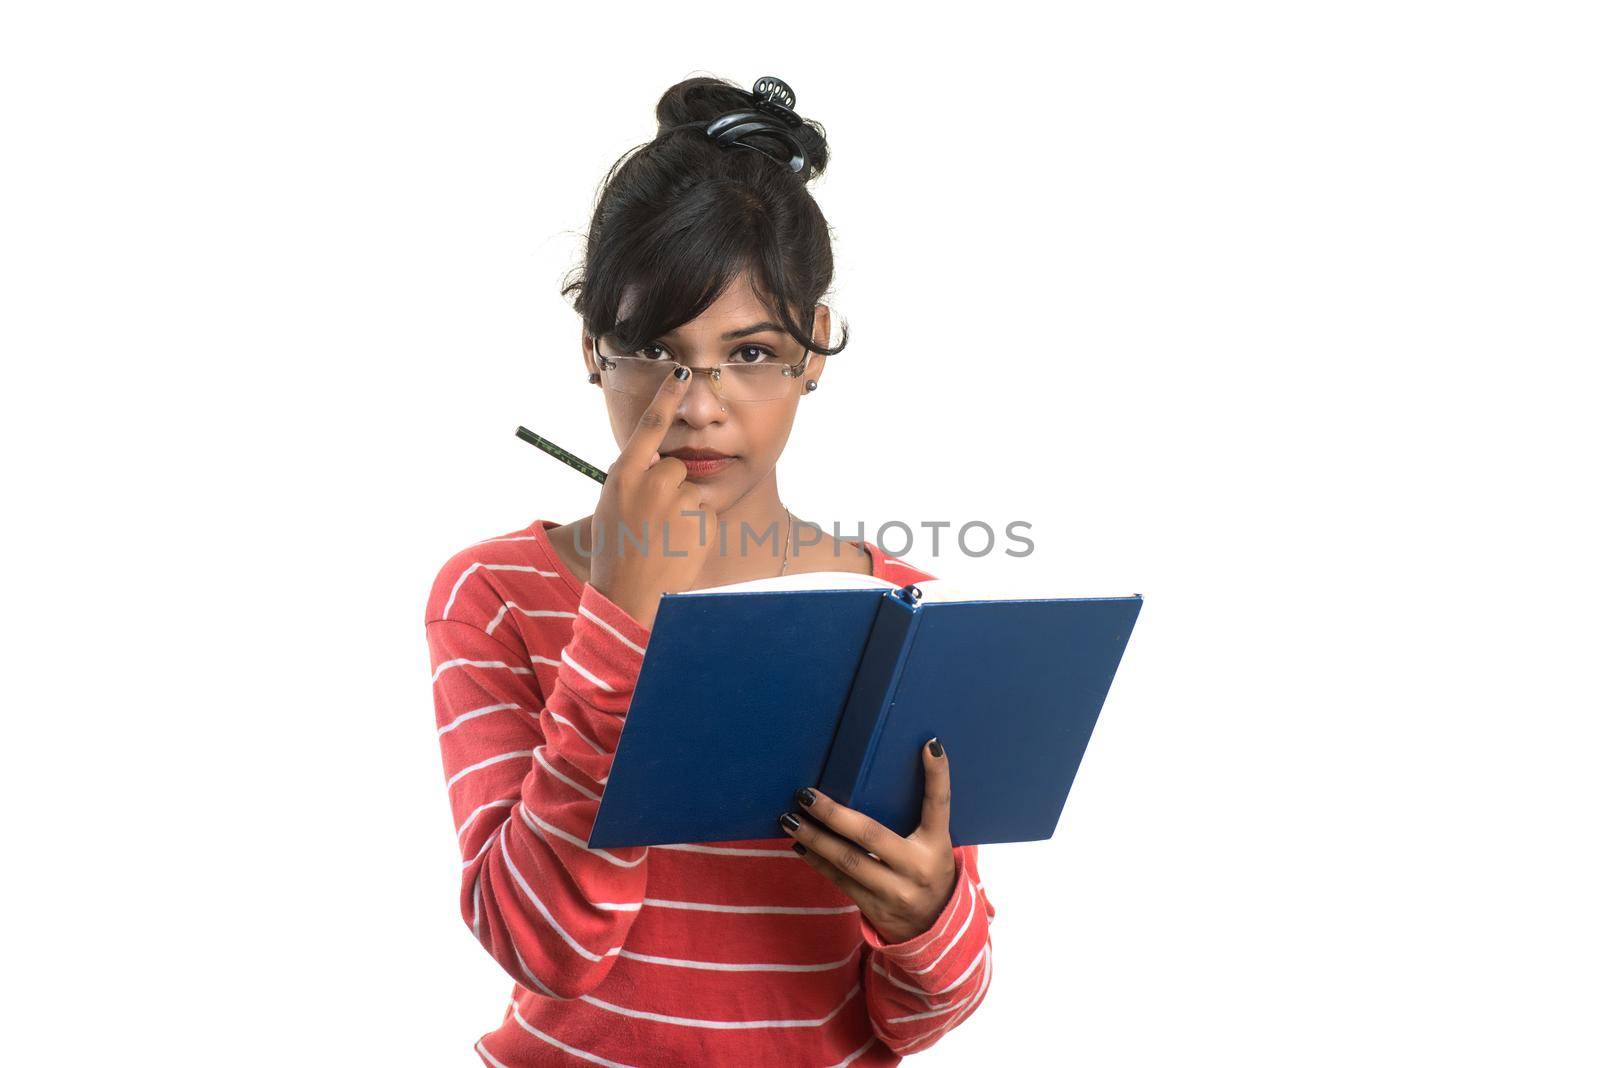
(933, 590)
(803, 580)
(937, 589)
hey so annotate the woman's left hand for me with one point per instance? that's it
(901, 883)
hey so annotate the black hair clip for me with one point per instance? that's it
(771, 99)
(774, 95)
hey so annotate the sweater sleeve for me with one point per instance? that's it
(524, 772)
(919, 989)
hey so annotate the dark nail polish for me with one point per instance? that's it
(935, 748)
(798, 848)
(805, 796)
(680, 372)
(790, 820)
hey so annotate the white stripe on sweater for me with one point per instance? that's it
(530, 612)
(468, 662)
(965, 972)
(477, 879)
(573, 727)
(613, 630)
(489, 1056)
(476, 908)
(981, 957)
(586, 673)
(859, 1051)
(971, 1004)
(488, 841)
(780, 910)
(972, 906)
(546, 991)
(927, 995)
(720, 966)
(470, 768)
(484, 711)
(537, 825)
(721, 1025)
(581, 1054)
(550, 919)
(706, 906)
(506, 802)
(908, 988)
(489, 567)
(538, 754)
(731, 851)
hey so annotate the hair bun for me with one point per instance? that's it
(697, 101)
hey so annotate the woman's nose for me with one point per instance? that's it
(702, 397)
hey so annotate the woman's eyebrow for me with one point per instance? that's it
(753, 328)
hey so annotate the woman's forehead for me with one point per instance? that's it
(738, 305)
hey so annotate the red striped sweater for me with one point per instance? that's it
(733, 953)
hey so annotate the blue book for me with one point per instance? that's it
(750, 691)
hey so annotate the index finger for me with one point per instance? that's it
(653, 424)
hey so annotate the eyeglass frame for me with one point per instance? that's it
(793, 369)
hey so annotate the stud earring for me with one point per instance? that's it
(811, 384)
(594, 376)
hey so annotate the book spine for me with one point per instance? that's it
(871, 694)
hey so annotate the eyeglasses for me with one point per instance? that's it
(763, 379)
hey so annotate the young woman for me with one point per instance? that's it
(834, 942)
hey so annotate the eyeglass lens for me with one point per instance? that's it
(735, 381)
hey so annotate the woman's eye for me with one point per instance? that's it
(645, 352)
(751, 354)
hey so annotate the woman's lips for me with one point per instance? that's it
(701, 462)
(705, 468)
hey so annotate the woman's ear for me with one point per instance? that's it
(821, 331)
(587, 345)
(822, 326)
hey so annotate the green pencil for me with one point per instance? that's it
(562, 454)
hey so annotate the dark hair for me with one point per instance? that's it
(682, 217)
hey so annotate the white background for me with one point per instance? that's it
(279, 281)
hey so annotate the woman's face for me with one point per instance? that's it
(752, 432)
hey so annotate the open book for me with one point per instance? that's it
(833, 679)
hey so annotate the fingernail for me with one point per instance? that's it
(790, 821)
(798, 848)
(805, 796)
(680, 372)
(935, 748)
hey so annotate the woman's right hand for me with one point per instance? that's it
(647, 500)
